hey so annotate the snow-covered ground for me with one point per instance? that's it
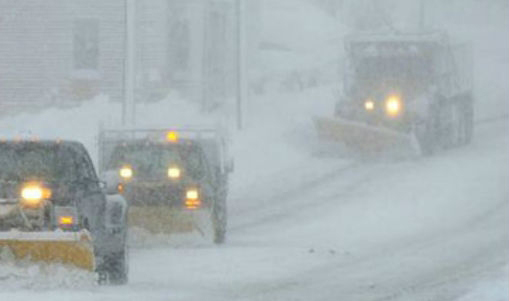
(306, 227)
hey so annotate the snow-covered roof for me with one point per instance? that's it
(395, 37)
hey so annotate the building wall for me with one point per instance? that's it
(110, 16)
(220, 55)
(185, 47)
(26, 37)
(201, 50)
(37, 62)
(70, 50)
(151, 50)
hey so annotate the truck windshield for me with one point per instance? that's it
(153, 160)
(393, 67)
(35, 161)
(407, 74)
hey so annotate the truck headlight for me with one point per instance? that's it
(174, 173)
(393, 106)
(369, 105)
(32, 195)
(126, 172)
(192, 194)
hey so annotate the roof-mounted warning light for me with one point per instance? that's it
(172, 136)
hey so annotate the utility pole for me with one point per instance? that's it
(240, 63)
(128, 112)
(421, 15)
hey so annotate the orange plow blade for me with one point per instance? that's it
(160, 219)
(72, 248)
(365, 139)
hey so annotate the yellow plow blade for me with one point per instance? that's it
(72, 248)
(161, 219)
(365, 139)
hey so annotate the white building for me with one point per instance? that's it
(66, 51)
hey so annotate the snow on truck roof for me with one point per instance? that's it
(211, 141)
(394, 45)
(45, 142)
(195, 133)
(431, 37)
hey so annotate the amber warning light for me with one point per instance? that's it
(172, 136)
(192, 201)
(66, 220)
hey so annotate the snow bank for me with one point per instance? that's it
(276, 147)
(292, 59)
(315, 28)
(29, 275)
(82, 123)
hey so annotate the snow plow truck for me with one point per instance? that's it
(402, 92)
(54, 209)
(175, 180)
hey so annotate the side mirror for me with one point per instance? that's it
(230, 165)
(111, 180)
(102, 185)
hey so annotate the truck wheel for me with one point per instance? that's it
(426, 138)
(425, 146)
(468, 120)
(337, 109)
(219, 236)
(219, 222)
(465, 122)
(115, 266)
(459, 123)
(456, 135)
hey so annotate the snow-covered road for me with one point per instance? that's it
(328, 229)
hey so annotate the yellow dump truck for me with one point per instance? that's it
(403, 91)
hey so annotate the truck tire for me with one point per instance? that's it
(219, 219)
(427, 133)
(426, 143)
(219, 236)
(463, 130)
(115, 266)
(468, 118)
(456, 130)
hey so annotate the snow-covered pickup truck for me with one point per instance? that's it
(54, 209)
(174, 180)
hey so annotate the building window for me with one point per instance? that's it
(86, 44)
